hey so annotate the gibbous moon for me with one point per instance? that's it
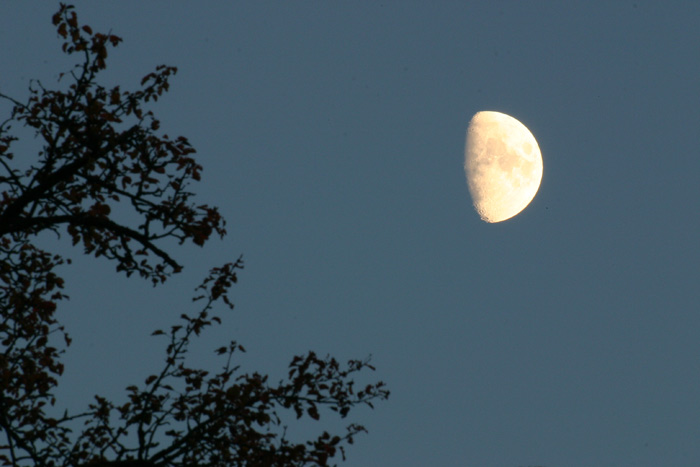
(503, 165)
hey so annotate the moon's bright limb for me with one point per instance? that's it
(503, 165)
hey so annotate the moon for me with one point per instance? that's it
(503, 165)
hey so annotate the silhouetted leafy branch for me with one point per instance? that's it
(102, 146)
(102, 150)
(226, 418)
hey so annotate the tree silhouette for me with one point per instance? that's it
(101, 149)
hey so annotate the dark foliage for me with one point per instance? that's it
(102, 149)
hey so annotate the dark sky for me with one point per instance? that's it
(332, 137)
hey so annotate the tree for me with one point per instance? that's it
(101, 149)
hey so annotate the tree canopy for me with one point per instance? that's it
(102, 149)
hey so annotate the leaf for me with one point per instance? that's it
(313, 412)
(114, 96)
(146, 78)
(63, 33)
(151, 379)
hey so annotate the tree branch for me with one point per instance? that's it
(84, 220)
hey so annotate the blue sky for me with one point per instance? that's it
(332, 138)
